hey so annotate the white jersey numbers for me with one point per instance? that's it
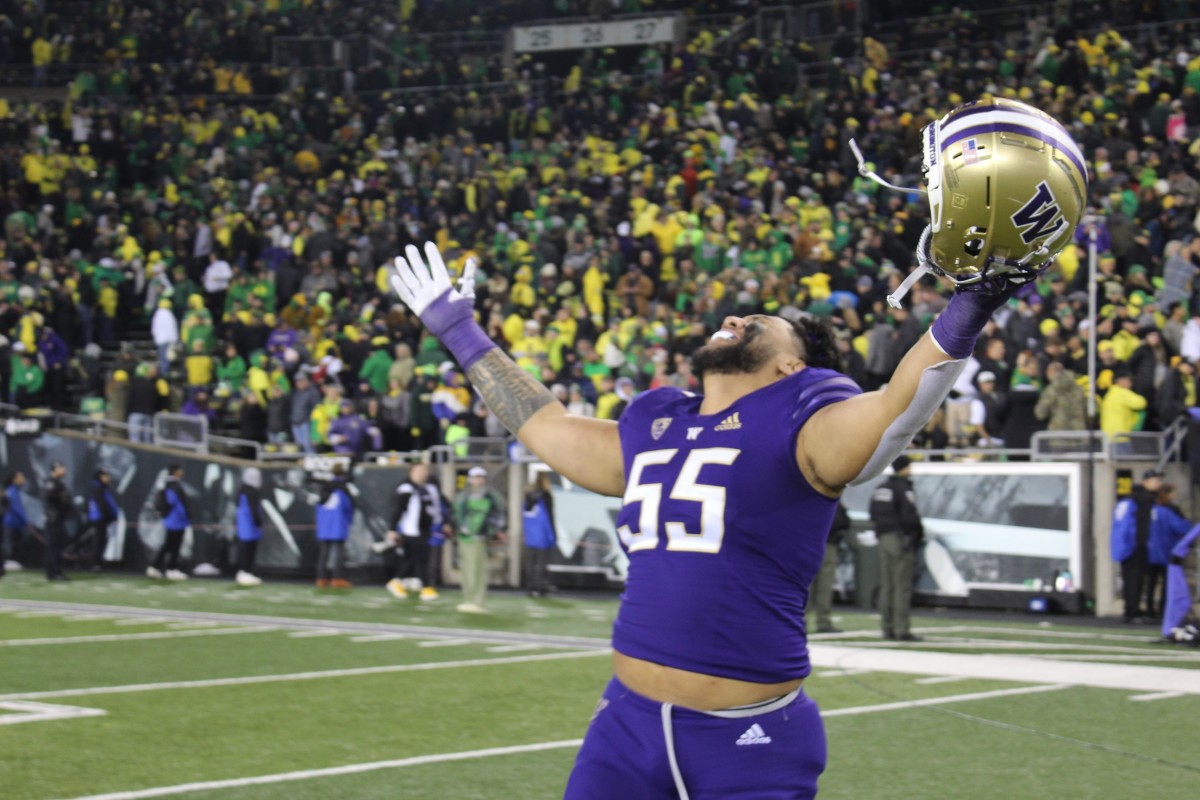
(687, 488)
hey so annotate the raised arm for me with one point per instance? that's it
(854, 440)
(586, 451)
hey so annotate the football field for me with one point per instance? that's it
(121, 687)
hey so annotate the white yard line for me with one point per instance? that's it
(297, 676)
(1005, 644)
(447, 643)
(1141, 698)
(132, 637)
(1046, 633)
(1151, 656)
(937, 701)
(379, 637)
(26, 711)
(1015, 669)
(940, 679)
(513, 648)
(300, 623)
(329, 772)
(313, 634)
(840, 673)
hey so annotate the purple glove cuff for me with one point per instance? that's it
(956, 330)
(453, 323)
(467, 342)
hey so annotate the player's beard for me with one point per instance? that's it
(745, 356)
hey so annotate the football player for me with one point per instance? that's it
(729, 494)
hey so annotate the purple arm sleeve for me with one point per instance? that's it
(957, 328)
(453, 323)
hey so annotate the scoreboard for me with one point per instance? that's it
(581, 35)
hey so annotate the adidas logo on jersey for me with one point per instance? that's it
(754, 735)
(730, 423)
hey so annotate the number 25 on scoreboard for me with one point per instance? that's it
(687, 487)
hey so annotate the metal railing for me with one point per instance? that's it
(1157, 446)
(958, 454)
(93, 426)
(234, 448)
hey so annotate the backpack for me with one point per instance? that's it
(162, 503)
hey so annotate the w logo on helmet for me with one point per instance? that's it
(1040, 217)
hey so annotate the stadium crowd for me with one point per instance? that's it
(617, 215)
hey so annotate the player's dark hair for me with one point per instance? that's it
(818, 342)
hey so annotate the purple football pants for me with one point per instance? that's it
(637, 749)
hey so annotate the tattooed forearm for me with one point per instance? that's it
(510, 392)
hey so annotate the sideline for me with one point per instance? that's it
(301, 623)
(296, 676)
(133, 637)
(1015, 669)
(1050, 669)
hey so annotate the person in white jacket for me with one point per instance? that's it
(164, 328)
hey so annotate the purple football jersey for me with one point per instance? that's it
(723, 532)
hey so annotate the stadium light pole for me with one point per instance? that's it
(1087, 576)
(1091, 345)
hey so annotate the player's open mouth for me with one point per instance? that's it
(724, 335)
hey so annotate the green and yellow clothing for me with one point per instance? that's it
(232, 372)
(375, 371)
(1121, 410)
(478, 514)
(28, 377)
(199, 368)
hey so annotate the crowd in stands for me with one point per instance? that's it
(616, 216)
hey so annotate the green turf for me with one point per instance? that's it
(369, 603)
(170, 736)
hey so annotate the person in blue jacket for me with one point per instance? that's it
(171, 503)
(14, 523)
(1131, 539)
(1167, 527)
(540, 535)
(102, 511)
(249, 523)
(335, 510)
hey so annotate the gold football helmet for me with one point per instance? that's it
(1007, 186)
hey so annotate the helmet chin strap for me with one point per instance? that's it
(895, 297)
(922, 269)
(869, 173)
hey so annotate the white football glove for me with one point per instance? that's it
(419, 286)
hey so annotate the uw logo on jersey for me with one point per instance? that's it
(1041, 215)
(731, 423)
(694, 433)
(659, 427)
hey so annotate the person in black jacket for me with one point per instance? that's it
(1178, 391)
(102, 511)
(899, 529)
(144, 402)
(58, 506)
(820, 595)
(1134, 568)
(418, 511)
